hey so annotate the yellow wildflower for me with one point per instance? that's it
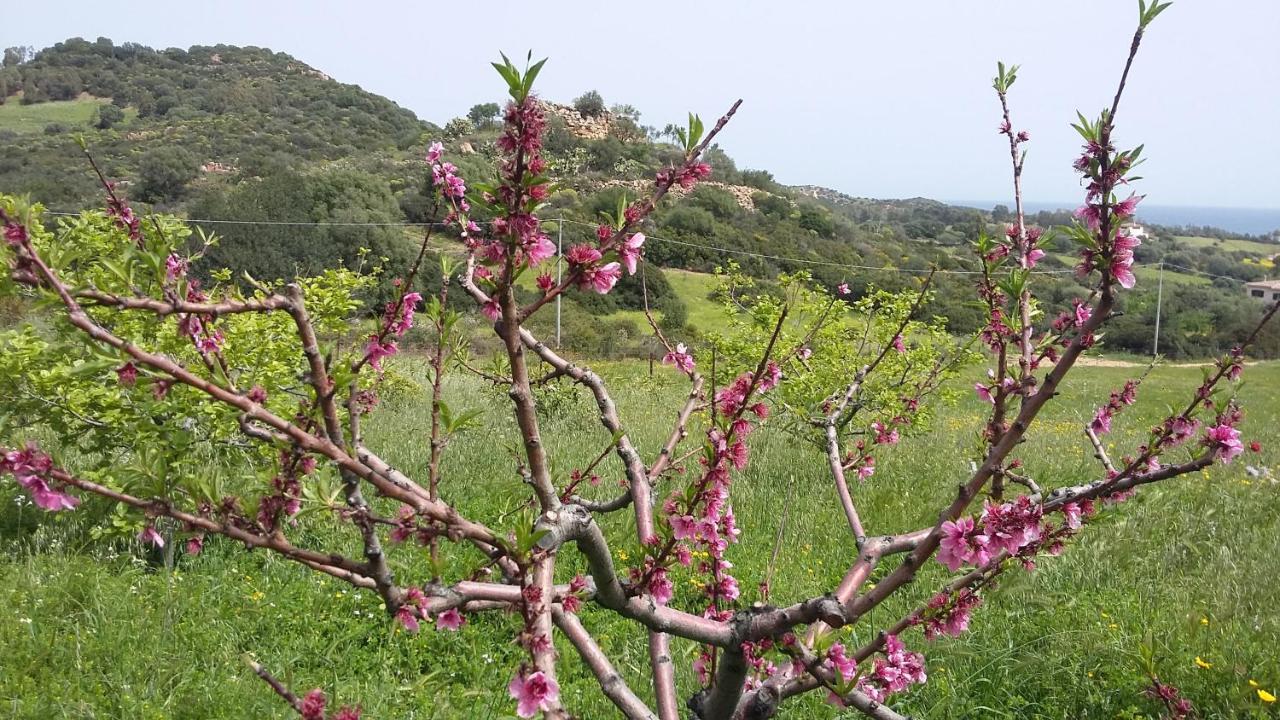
(1253, 683)
(1265, 696)
(1202, 664)
(1204, 621)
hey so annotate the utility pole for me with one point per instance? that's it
(1155, 347)
(559, 260)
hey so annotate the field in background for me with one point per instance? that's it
(69, 113)
(1252, 246)
(91, 630)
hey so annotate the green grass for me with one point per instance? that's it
(91, 631)
(33, 118)
(1251, 246)
(694, 288)
(1149, 276)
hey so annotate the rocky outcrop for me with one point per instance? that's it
(741, 193)
(587, 128)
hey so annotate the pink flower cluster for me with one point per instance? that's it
(1127, 395)
(687, 176)
(585, 261)
(950, 614)
(707, 520)
(1224, 441)
(989, 392)
(123, 215)
(31, 468)
(1113, 253)
(894, 673)
(313, 705)
(1008, 527)
(397, 319)
(533, 692)
(1031, 254)
(1074, 319)
(680, 357)
(15, 233)
(1178, 707)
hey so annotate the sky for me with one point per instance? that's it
(877, 99)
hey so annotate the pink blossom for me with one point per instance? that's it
(195, 545)
(867, 469)
(398, 316)
(771, 377)
(491, 309)
(533, 692)
(312, 707)
(209, 343)
(1101, 423)
(258, 394)
(1224, 441)
(629, 253)
(845, 665)
(150, 536)
(1127, 206)
(174, 267)
(127, 374)
(582, 255)
(376, 350)
(1073, 514)
(842, 289)
(727, 588)
(680, 357)
(962, 544)
(434, 151)
(898, 344)
(407, 617)
(684, 527)
(603, 278)
(660, 586)
(1013, 525)
(539, 250)
(347, 713)
(546, 282)
(450, 619)
(884, 435)
(1090, 215)
(984, 393)
(15, 233)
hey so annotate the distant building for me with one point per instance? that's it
(1136, 231)
(1264, 290)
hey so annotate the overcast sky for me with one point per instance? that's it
(882, 99)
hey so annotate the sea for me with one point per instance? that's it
(1252, 221)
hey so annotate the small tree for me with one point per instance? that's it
(108, 116)
(458, 127)
(163, 173)
(589, 104)
(483, 115)
(850, 377)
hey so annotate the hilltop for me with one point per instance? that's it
(249, 134)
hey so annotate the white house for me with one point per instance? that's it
(1265, 290)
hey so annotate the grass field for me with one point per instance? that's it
(91, 630)
(33, 118)
(1252, 246)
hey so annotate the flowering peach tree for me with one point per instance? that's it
(216, 410)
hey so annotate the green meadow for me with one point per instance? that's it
(95, 628)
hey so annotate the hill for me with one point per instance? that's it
(317, 169)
